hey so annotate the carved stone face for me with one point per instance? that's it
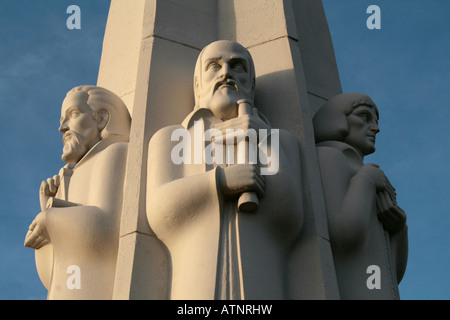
(225, 78)
(363, 123)
(79, 125)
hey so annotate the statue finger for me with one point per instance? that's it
(32, 225)
(37, 243)
(378, 203)
(258, 189)
(57, 180)
(260, 183)
(51, 186)
(40, 242)
(382, 200)
(27, 237)
(399, 214)
(387, 199)
(31, 238)
(44, 187)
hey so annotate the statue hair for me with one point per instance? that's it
(330, 122)
(100, 99)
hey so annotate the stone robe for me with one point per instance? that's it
(364, 242)
(83, 226)
(216, 251)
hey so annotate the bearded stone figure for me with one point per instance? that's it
(76, 234)
(368, 230)
(218, 248)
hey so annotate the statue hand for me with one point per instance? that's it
(375, 174)
(48, 189)
(239, 178)
(390, 214)
(37, 235)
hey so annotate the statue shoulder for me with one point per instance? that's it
(331, 156)
(113, 156)
(333, 149)
(339, 154)
(163, 141)
(165, 133)
(117, 149)
(325, 150)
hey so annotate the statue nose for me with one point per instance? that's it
(63, 127)
(225, 72)
(375, 128)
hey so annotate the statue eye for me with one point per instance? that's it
(364, 116)
(74, 113)
(240, 67)
(213, 66)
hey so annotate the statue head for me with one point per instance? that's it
(351, 118)
(88, 115)
(224, 74)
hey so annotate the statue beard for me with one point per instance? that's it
(74, 149)
(224, 107)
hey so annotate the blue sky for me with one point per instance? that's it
(404, 67)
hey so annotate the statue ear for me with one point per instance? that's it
(103, 119)
(253, 88)
(196, 85)
(196, 91)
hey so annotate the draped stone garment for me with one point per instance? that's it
(364, 242)
(85, 231)
(216, 251)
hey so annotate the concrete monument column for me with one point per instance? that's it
(149, 54)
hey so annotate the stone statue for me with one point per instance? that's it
(76, 234)
(368, 230)
(221, 245)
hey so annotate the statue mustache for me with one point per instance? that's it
(75, 137)
(227, 82)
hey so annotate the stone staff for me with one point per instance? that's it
(248, 201)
